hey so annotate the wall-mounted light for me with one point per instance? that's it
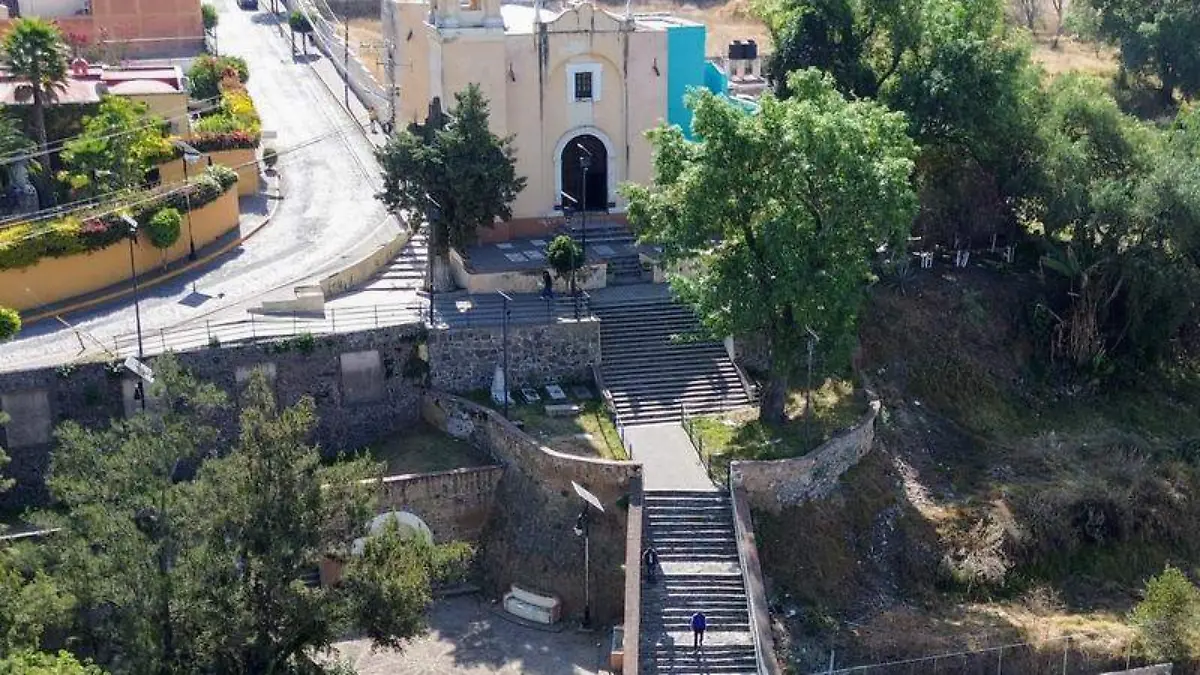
(655, 68)
(511, 75)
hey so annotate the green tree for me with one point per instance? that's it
(118, 146)
(565, 255)
(123, 550)
(776, 216)
(164, 227)
(461, 171)
(298, 22)
(860, 43)
(1157, 37)
(271, 512)
(30, 602)
(10, 323)
(968, 88)
(37, 58)
(38, 663)
(1120, 209)
(209, 16)
(1168, 619)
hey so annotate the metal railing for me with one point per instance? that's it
(471, 312)
(266, 328)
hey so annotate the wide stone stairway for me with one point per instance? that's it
(694, 536)
(652, 364)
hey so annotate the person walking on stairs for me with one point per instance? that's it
(699, 623)
(650, 557)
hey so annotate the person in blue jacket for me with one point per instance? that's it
(699, 623)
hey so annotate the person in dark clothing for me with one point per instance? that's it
(699, 623)
(650, 558)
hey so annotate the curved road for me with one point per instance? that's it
(328, 215)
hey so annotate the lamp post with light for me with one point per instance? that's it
(190, 156)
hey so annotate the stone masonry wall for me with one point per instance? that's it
(454, 504)
(465, 359)
(772, 485)
(529, 539)
(364, 385)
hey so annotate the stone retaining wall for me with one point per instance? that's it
(465, 359)
(454, 504)
(772, 485)
(529, 539)
(363, 383)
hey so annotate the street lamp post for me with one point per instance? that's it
(582, 529)
(433, 212)
(504, 323)
(137, 310)
(585, 164)
(190, 156)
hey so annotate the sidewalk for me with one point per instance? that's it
(669, 460)
(254, 213)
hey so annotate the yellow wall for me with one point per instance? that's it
(244, 161)
(525, 81)
(172, 107)
(56, 279)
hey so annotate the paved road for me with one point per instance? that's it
(328, 216)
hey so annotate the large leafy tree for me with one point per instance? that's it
(967, 86)
(183, 550)
(455, 170)
(37, 57)
(118, 146)
(1120, 208)
(123, 548)
(776, 216)
(1157, 37)
(28, 662)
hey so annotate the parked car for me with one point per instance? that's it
(248, 4)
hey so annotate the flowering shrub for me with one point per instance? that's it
(23, 245)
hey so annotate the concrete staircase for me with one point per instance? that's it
(407, 271)
(694, 536)
(649, 372)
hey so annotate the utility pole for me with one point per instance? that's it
(505, 323)
(346, 57)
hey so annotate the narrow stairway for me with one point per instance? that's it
(407, 271)
(652, 365)
(694, 536)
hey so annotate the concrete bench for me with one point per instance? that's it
(563, 409)
(545, 609)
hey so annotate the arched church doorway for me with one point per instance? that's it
(585, 155)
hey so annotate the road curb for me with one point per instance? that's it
(151, 283)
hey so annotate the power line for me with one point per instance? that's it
(181, 185)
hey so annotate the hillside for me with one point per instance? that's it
(998, 508)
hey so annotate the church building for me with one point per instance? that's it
(576, 86)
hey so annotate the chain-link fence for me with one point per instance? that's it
(1067, 655)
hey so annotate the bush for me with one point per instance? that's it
(564, 255)
(10, 323)
(25, 244)
(163, 228)
(205, 75)
(1168, 619)
(215, 142)
(218, 123)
